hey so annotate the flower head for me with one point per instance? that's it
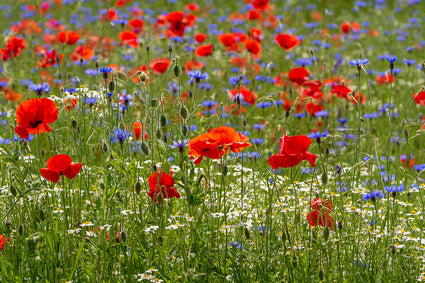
(358, 62)
(197, 75)
(39, 89)
(163, 183)
(60, 165)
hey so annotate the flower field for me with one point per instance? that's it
(212, 141)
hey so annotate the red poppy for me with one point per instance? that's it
(345, 28)
(200, 37)
(138, 128)
(33, 115)
(253, 47)
(253, 15)
(314, 91)
(3, 242)
(193, 65)
(256, 34)
(286, 41)
(137, 25)
(59, 165)
(159, 65)
(247, 95)
(129, 38)
(177, 25)
(192, 7)
(292, 151)
(204, 50)
(69, 37)
(298, 75)
(320, 214)
(11, 95)
(82, 51)
(419, 98)
(260, 4)
(165, 185)
(216, 143)
(227, 39)
(49, 59)
(385, 79)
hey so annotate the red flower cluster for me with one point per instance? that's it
(3, 242)
(14, 47)
(292, 151)
(216, 143)
(60, 165)
(165, 186)
(320, 213)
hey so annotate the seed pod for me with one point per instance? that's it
(154, 102)
(124, 236)
(326, 232)
(74, 123)
(111, 86)
(41, 214)
(183, 112)
(143, 77)
(247, 233)
(21, 230)
(339, 225)
(163, 120)
(137, 187)
(160, 199)
(225, 170)
(185, 130)
(82, 61)
(158, 134)
(8, 223)
(393, 249)
(145, 148)
(13, 190)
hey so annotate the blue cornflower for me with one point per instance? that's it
(39, 89)
(197, 75)
(106, 70)
(409, 62)
(391, 58)
(373, 195)
(342, 120)
(91, 100)
(91, 72)
(236, 245)
(209, 103)
(323, 113)
(179, 144)
(394, 189)
(258, 141)
(263, 105)
(318, 135)
(358, 62)
(119, 135)
(259, 126)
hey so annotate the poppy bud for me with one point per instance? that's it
(406, 133)
(143, 77)
(393, 249)
(124, 236)
(111, 86)
(176, 70)
(247, 233)
(163, 120)
(225, 170)
(287, 114)
(87, 239)
(41, 214)
(155, 168)
(58, 59)
(21, 230)
(327, 151)
(96, 64)
(158, 134)
(13, 190)
(74, 123)
(170, 49)
(154, 102)
(185, 130)
(326, 232)
(81, 60)
(147, 48)
(105, 75)
(321, 274)
(145, 148)
(104, 147)
(8, 223)
(102, 186)
(138, 187)
(324, 178)
(160, 199)
(183, 112)
(339, 224)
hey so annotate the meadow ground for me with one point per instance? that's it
(212, 141)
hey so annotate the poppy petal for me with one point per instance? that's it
(72, 170)
(22, 132)
(59, 163)
(284, 160)
(50, 175)
(294, 145)
(310, 158)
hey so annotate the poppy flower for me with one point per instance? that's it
(192, 7)
(82, 51)
(59, 165)
(385, 79)
(253, 46)
(3, 242)
(227, 39)
(69, 37)
(204, 50)
(176, 22)
(292, 151)
(165, 186)
(419, 98)
(247, 95)
(345, 28)
(159, 65)
(216, 143)
(253, 15)
(193, 65)
(256, 34)
(138, 128)
(200, 37)
(34, 115)
(137, 25)
(298, 75)
(260, 4)
(320, 214)
(129, 38)
(286, 41)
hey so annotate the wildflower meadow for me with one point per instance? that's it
(212, 141)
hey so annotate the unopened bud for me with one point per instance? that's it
(145, 148)
(326, 232)
(21, 229)
(138, 187)
(185, 130)
(154, 102)
(163, 120)
(176, 70)
(183, 112)
(158, 134)
(247, 233)
(124, 236)
(111, 86)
